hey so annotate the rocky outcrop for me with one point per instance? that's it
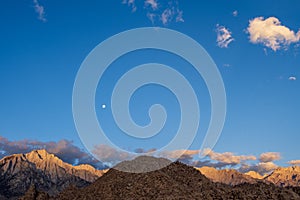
(44, 171)
(285, 176)
(226, 176)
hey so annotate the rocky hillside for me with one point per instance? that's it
(176, 181)
(44, 171)
(288, 176)
(40, 175)
(226, 176)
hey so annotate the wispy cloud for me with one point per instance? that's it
(161, 11)
(131, 4)
(271, 33)
(152, 3)
(166, 16)
(179, 17)
(224, 37)
(39, 9)
(294, 162)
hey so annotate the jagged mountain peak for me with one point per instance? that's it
(285, 176)
(35, 155)
(44, 170)
(41, 154)
(44, 160)
(227, 176)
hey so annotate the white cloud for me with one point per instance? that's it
(224, 37)
(39, 9)
(152, 17)
(294, 162)
(266, 164)
(171, 14)
(235, 13)
(292, 78)
(179, 17)
(269, 157)
(166, 16)
(271, 33)
(131, 4)
(266, 167)
(152, 3)
(227, 157)
(161, 11)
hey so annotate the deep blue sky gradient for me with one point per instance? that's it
(39, 61)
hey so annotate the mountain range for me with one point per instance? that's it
(45, 171)
(41, 175)
(282, 176)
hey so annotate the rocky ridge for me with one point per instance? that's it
(226, 176)
(45, 171)
(285, 176)
(176, 181)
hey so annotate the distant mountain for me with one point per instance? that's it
(40, 175)
(226, 176)
(42, 170)
(176, 181)
(288, 176)
(282, 176)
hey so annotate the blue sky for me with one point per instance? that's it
(43, 44)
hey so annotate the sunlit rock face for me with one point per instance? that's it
(43, 170)
(285, 176)
(226, 176)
